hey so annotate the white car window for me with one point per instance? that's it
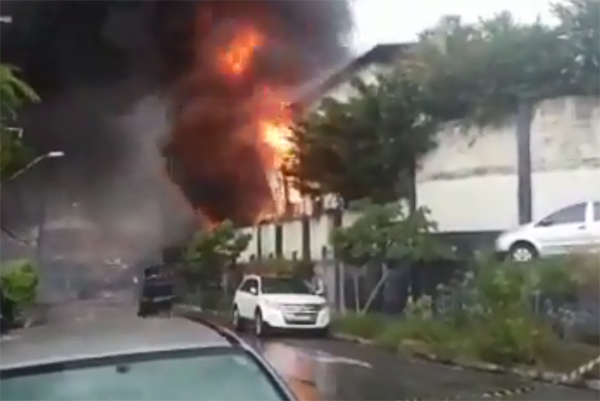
(596, 211)
(250, 283)
(570, 214)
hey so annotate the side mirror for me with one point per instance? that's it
(253, 290)
(545, 223)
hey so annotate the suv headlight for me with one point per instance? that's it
(274, 305)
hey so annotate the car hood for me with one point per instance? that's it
(521, 228)
(294, 299)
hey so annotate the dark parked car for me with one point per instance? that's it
(117, 358)
(157, 291)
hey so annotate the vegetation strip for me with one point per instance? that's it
(566, 379)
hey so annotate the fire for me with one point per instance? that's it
(276, 135)
(238, 55)
(270, 114)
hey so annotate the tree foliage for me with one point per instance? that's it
(365, 146)
(385, 232)
(481, 72)
(14, 94)
(210, 252)
(381, 235)
(369, 145)
(19, 281)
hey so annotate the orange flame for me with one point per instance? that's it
(235, 59)
(272, 119)
(276, 135)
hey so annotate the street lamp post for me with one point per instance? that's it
(50, 155)
(29, 166)
(39, 243)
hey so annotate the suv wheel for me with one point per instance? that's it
(259, 325)
(236, 319)
(522, 252)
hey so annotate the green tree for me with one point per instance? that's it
(366, 146)
(19, 281)
(381, 234)
(14, 94)
(212, 251)
(579, 33)
(480, 73)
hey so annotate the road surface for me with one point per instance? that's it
(331, 370)
(334, 370)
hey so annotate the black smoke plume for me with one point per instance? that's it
(121, 81)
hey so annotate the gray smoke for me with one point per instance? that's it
(105, 71)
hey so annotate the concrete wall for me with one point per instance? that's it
(470, 181)
(291, 239)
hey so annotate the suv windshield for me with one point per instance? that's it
(284, 285)
(215, 374)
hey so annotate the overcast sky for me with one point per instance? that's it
(380, 21)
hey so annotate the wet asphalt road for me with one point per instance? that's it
(333, 370)
(322, 369)
(327, 369)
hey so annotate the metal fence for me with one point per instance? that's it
(575, 316)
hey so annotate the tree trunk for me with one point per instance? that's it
(342, 287)
(356, 291)
(375, 290)
(412, 186)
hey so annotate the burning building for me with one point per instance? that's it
(234, 101)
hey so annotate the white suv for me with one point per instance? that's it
(574, 228)
(275, 302)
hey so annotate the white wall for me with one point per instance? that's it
(267, 237)
(291, 238)
(470, 183)
(252, 246)
(320, 229)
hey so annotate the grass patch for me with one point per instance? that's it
(565, 357)
(364, 326)
(509, 339)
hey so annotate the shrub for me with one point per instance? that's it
(492, 306)
(512, 338)
(19, 282)
(487, 315)
(363, 326)
(304, 269)
(554, 278)
(584, 270)
(272, 266)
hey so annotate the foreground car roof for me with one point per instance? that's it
(119, 334)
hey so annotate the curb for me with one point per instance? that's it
(495, 394)
(571, 379)
(187, 308)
